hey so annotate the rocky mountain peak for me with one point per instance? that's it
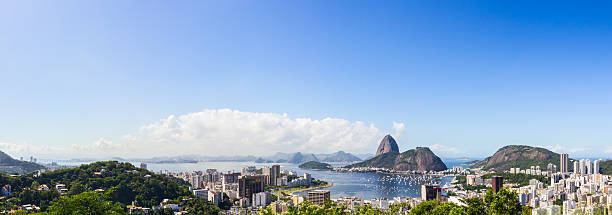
(387, 144)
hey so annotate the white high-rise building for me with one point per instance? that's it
(563, 163)
(583, 167)
(596, 167)
(576, 168)
(589, 167)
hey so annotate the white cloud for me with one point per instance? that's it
(609, 149)
(446, 150)
(99, 146)
(225, 131)
(398, 128)
(26, 150)
(564, 149)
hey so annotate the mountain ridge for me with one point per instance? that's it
(417, 159)
(11, 165)
(521, 156)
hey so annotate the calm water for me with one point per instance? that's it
(365, 185)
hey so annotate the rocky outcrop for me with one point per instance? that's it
(519, 156)
(419, 159)
(387, 145)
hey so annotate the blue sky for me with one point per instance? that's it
(464, 78)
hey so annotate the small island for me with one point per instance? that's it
(314, 165)
(261, 160)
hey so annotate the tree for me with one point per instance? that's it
(502, 202)
(475, 206)
(226, 204)
(200, 207)
(424, 208)
(367, 210)
(165, 211)
(399, 208)
(76, 187)
(87, 203)
(526, 210)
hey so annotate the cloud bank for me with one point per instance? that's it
(557, 148)
(26, 150)
(225, 131)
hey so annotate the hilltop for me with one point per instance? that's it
(418, 159)
(124, 182)
(299, 158)
(387, 144)
(520, 156)
(10, 165)
(339, 156)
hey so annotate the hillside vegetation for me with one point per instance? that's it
(123, 183)
(316, 165)
(418, 159)
(606, 167)
(522, 157)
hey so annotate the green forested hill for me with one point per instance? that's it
(418, 159)
(128, 183)
(606, 167)
(521, 156)
(316, 165)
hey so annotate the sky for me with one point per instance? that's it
(164, 78)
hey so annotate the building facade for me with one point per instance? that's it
(319, 197)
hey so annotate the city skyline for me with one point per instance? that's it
(142, 79)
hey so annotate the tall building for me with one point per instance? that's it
(195, 179)
(249, 185)
(429, 192)
(230, 178)
(272, 174)
(262, 199)
(215, 197)
(275, 175)
(497, 182)
(576, 168)
(267, 172)
(249, 170)
(551, 168)
(319, 197)
(589, 167)
(201, 193)
(563, 163)
(307, 177)
(596, 167)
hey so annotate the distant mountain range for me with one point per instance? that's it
(299, 158)
(12, 166)
(280, 157)
(389, 157)
(339, 156)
